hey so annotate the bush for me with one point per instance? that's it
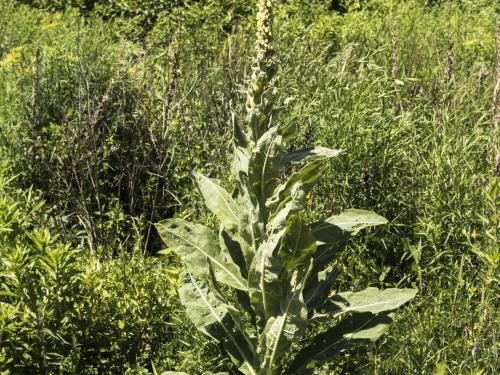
(64, 311)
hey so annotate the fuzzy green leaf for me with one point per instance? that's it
(264, 282)
(371, 300)
(228, 240)
(218, 200)
(194, 243)
(281, 331)
(297, 244)
(309, 175)
(215, 318)
(318, 287)
(290, 206)
(339, 228)
(309, 154)
(335, 231)
(264, 166)
(357, 329)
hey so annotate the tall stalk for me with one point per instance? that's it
(274, 262)
(496, 107)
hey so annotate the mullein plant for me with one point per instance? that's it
(257, 284)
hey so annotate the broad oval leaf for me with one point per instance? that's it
(264, 166)
(357, 329)
(194, 243)
(281, 331)
(339, 228)
(371, 300)
(297, 244)
(309, 154)
(218, 200)
(215, 318)
(264, 282)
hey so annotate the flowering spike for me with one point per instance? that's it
(260, 90)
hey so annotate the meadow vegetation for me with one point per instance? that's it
(106, 108)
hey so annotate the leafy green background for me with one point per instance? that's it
(107, 107)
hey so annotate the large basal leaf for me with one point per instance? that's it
(371, 300)
(297, 244)
(264, 166)
(215, 318)
(218, 200)
(338, 228)
(250, 344)
(281, 331)
(309, 154)
(194, 243)
(264, 282)
(355, 330)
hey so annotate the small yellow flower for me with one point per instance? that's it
(13, 55)
(471, 43)
(471, 290)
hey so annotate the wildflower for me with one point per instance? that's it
(467, 333)
(423, 288)
(475, 348)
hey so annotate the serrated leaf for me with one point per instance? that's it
(355, 330)
(371, 300)
(309, 154)
(194, 243)
(213, 317)
(218, 200)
